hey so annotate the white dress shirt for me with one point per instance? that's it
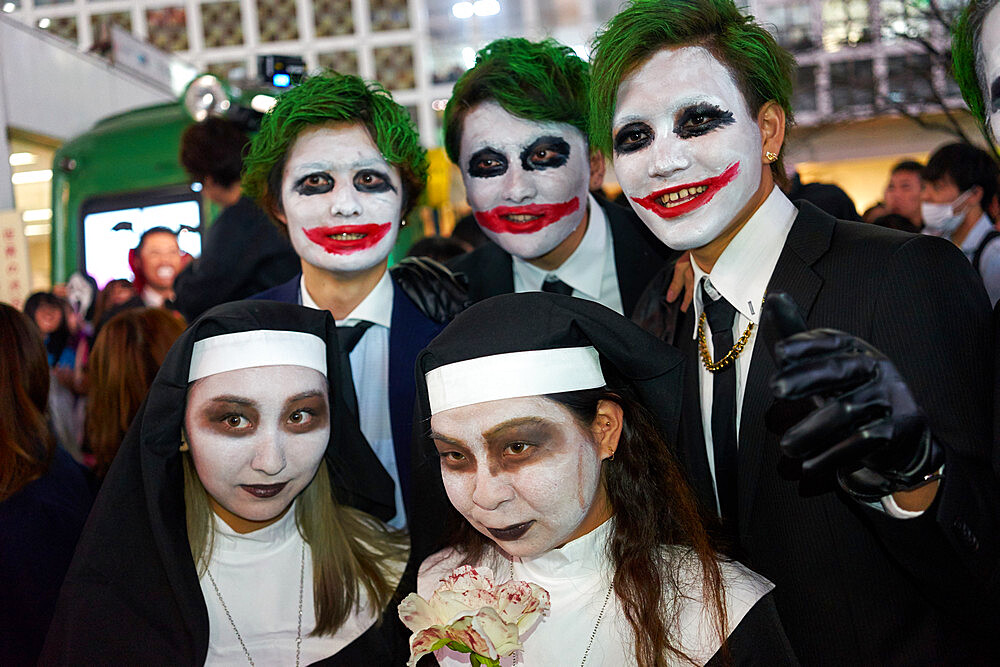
(590, 270)
(577, 577)
(370, 370)
(741, 275)
(989, 262)
(258, 577)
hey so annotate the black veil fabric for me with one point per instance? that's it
(131, 595)
(538, 321)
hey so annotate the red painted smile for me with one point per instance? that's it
(678, 200)
(345, 239)
(525, 219)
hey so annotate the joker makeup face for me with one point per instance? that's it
(526, 181)
(990, 49)
(257, 436)
(341, 200)
(522, 471)
(687, 154)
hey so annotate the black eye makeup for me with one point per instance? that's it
(700, 119)
(995, 95)
(486, 163)
(546, 152)
(633, 137)
(371, 180)
(315, 183)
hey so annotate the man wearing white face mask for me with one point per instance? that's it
(959, 183)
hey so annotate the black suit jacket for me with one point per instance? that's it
(853, 585)
(638, 257)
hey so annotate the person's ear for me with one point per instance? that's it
(607, 428)
(975, 196)
(771, 121)
(597, 169)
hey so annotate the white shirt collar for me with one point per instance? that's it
(376, 307)
(976, 235)
(578, 269)
(742, 272)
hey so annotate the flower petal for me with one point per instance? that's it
(416, 613)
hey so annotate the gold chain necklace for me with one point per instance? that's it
(593, 635)
(232, 623)
(731, 356)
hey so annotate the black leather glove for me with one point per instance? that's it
(432, 287)
(865, 426)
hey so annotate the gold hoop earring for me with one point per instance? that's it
(185, 447)
(612, 457)
(770, 157)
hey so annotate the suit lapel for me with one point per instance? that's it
(692, 454)
(807, 241)
(495, 272)
(409, 332)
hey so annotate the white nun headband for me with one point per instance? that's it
(261, 347)
(513, 375)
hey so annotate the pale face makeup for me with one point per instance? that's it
(687, 152)
(257, 436)
(341, 200)
(990, 49)
(526, 181)
(522, 471)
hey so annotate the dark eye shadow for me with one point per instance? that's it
(700, 119)
(632, 137)
(304, 188)
(556, 146)
(380, 182)
(486, 163)
(995, 95)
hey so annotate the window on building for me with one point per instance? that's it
(852, 84)
(845, 23)
(804, 96)
(910, 78)
(791, 23)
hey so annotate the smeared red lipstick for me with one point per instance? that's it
(498, 219)
(654, 202)
(327, 237)
(263, 490)
(510, 533)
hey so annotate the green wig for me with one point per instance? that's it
(966, 56)
(762, 69)
(539, 81)
(328, 98)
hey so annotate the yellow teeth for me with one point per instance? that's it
(521, 217)
(347, 237)
(677, 197)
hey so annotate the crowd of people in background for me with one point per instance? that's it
(116, 391)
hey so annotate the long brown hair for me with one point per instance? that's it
(127, 354)
(26, 443)
(351, 550)
(653, 508)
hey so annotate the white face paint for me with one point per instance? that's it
(522, 471)
(527, 182)
(341, 200)
(686, 150)
(989, 46)
(257, 436)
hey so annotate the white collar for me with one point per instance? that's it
(375, 307)
(578, 271)
(580, 558)
(742, 272)
(227, 540)
(977, 234)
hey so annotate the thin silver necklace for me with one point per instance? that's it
(298, 637)
(600, 617)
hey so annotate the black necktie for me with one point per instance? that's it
(349, 337)
(721, 315)
(556, 286)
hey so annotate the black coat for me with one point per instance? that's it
(131, 595)
(853, 585)
(638, 257)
